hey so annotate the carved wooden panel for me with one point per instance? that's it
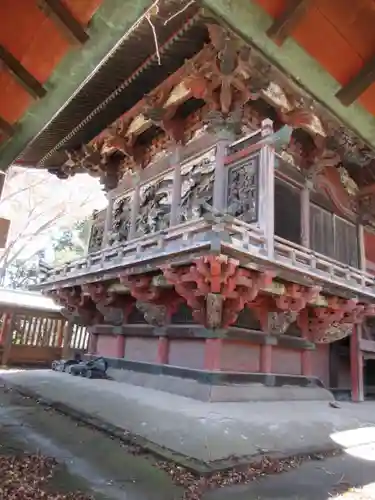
(155, 207)
(243, 190)
(197, 186)
(97, 233)
(121, 219)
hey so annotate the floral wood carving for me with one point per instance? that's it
(154, 208)
(121, 220)
(328, 324)
(242, 194)
(197, 187)
(76, 303)
(156, 303)
(216, 288)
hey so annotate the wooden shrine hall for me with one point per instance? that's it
(236, 257)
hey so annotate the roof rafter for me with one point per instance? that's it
(358, 84)
(282, 27)
(6, 128)
(64, 20)
(20, 73)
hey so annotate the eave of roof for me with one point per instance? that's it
(251, 23)
(19, 299)
(108, 26)
(131, 71)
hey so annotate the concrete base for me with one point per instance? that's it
(221, 392)
(205, 433)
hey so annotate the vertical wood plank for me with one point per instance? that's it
(68, 332)
(267, 188)
(305, 216)
(8, 339)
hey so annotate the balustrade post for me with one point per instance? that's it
(305, 216)
(108, 221)
(135, 205)
(267, 187)
(220, 180)
(361, 247)
(177, 184)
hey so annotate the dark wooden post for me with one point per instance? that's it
(356, 365)
(7, 337)
(68, 332)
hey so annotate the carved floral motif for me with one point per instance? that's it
(154, 208)
(197, 187)
(121, 220)
(242, 194)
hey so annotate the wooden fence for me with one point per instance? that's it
(37, 338)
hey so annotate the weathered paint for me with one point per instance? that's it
(109, 24)
(251, 22)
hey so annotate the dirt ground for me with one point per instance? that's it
(78, 462)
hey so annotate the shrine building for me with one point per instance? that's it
(236, 258)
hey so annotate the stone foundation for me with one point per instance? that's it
(217, 386)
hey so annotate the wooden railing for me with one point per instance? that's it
(231, 234)
(31, 339)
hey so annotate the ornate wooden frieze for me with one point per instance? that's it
(156, 303)
(114, 307)
(77, 304)
(121, 220)
(154, 208)
(328, 324)
(216, 288)
(243, 190)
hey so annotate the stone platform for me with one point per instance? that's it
(203, 434)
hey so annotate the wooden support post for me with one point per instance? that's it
(356, 365)
(121, 346)
(134, 207)
(93, 343)
(220, 180)
(162, 356)
(5, 318)
(212, 355)
(306, 354)
(68, 332)
(305, 216)
(267, 188)
(7, 338)
(266, 358)
(176, 191)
